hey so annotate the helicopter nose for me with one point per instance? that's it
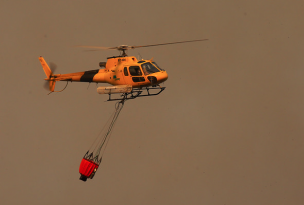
(157, 78)
(163, 76)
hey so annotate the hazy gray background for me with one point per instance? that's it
(227, 130)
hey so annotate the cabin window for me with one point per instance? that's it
(135, 71)
(138, 79)
(126, 71)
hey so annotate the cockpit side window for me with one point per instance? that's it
(135, 71)
(149, 68)
(126, 71)
(158, 66)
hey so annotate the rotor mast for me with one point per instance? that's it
(123, 49)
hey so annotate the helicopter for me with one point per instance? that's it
(127, 75)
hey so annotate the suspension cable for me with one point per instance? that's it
(102, 142)
(118, 108)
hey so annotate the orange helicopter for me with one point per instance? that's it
(129, 76)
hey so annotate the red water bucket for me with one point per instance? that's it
(87, 169)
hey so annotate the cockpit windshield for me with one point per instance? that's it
(149, 68)
(158, 66)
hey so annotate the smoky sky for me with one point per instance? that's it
(228, 129)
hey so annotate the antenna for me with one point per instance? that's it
(139, 56)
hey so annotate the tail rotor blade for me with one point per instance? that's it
(53, 67)
(46, 85)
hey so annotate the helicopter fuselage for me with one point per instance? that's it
(121, 70)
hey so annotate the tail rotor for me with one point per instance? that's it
(50, 78)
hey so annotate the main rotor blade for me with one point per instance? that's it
(125, 47)
(161, 44)
(95, 50)
(97, 47)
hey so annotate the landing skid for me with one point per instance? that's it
(137, 92)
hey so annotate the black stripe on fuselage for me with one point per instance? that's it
(88, 75)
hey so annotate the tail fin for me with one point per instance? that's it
(48, 74)
(45, 67)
